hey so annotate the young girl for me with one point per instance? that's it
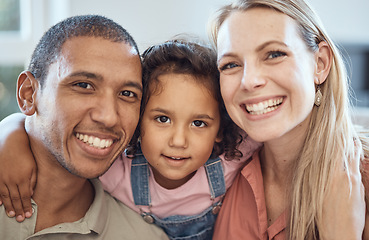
(172, 174)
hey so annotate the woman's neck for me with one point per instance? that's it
(277, 160)
(278, 156)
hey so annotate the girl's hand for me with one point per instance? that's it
(344, 210)
(17, 168)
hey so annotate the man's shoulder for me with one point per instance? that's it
(11, 229)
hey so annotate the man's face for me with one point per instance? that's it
(88, 107)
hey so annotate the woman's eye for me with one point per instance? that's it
(84, 85)
(198, 123)
(127, 93)
(276, 54)
(163, 119)
(228, 66)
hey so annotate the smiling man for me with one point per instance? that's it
(81, 95)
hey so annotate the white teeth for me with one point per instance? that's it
(102, 143)
(95, 141)
(264, 107)
(174, 158)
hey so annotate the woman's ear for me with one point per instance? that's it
(323, 62)
(27, 87)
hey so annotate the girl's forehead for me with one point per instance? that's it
(161, 81)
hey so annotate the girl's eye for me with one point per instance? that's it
(228, 66)
(275, 54)
(198, 123)
(84, 85)
(127, 93)
(163, 119)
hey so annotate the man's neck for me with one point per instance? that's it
(60, 195)
(61, 200)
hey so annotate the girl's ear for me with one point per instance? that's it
(219, 137)
(323, 62)
(27, 87)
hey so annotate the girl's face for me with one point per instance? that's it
(266, 73)
(178, 129)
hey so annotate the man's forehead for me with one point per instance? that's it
(86, 42)
(98, 56)
(98, 51)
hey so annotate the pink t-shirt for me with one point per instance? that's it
(191, 198)
(243, 214)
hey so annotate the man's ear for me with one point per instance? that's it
(27, 87)
(323, 62)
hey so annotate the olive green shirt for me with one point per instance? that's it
(107, 218)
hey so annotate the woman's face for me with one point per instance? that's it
(266, 73)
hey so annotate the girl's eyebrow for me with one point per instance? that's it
(166, 112)
(203, 116)
(160, 110)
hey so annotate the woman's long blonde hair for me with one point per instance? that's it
(331, 134)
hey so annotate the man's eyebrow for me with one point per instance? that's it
(98, 77)
(86, 75)
(134, 85)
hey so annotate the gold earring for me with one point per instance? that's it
(318, 96)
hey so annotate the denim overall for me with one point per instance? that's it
(197, 227)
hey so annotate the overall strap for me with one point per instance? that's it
(215, 174)
(140, 180)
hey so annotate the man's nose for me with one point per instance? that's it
(105, 111)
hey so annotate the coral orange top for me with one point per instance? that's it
(243, 214)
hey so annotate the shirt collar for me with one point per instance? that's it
(97, 214)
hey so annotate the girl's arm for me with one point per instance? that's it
(17, 168)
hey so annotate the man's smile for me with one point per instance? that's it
(94, 141)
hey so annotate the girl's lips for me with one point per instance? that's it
(175, 162)
(175, 158)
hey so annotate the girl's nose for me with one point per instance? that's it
(178, 138)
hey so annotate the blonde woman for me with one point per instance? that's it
(283, 81)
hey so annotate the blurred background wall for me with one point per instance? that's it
(22, 23)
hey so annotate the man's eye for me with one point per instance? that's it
(84, 85)
(163, 119)
(198, 123)
(127, 93)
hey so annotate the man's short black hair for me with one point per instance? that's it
(49, 47)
